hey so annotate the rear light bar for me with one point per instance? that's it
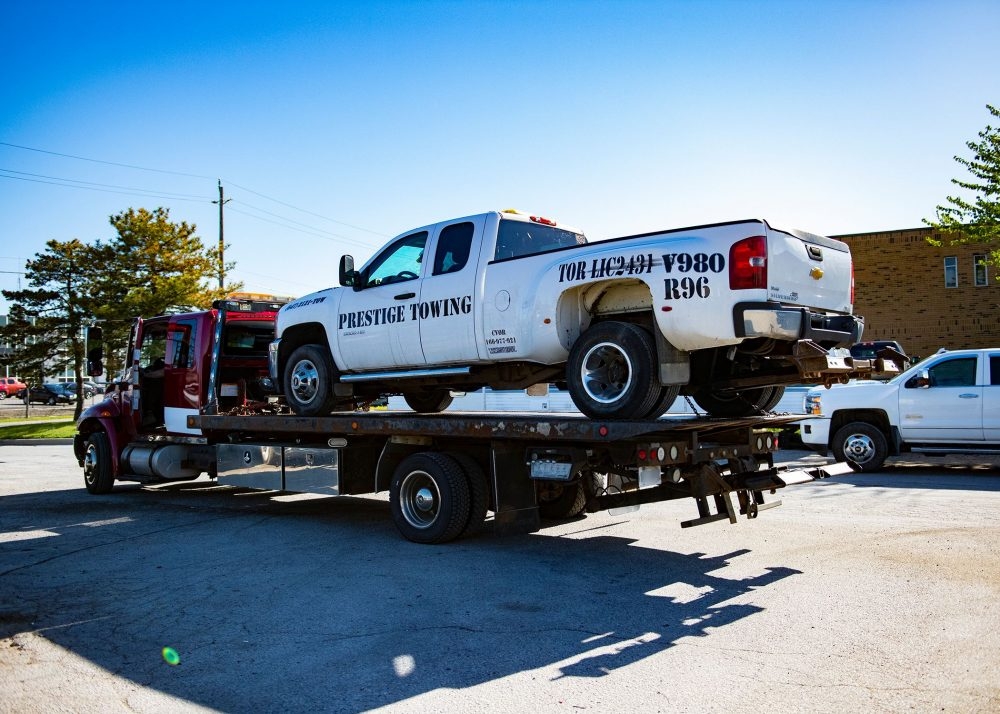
(543, 221)
(748, 264)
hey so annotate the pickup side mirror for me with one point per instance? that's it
(95, 351)
(348, 275)
(919, 381)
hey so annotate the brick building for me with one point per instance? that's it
(922, 296)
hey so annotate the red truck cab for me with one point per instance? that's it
(207, 362)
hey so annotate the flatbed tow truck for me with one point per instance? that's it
(210, 409)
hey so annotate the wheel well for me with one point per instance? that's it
(294, 337)
(627, 300)
(876, 417)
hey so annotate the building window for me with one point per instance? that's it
(951, 272)
(979, 270)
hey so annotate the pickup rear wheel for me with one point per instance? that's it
(428, 401)
(737, 403)
(611, 372)
(862, 444)
(308, 381)
(429, 498)
(666, 400)
(98, 475)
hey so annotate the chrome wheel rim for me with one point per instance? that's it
(419, 499)
(305, 381)
(606, 373)
(859, 448)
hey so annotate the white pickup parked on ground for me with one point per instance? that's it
(726, 313)
(947, 404)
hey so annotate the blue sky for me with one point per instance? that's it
(335, 126)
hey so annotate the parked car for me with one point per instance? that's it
(89, 389)
(10, 386)
(46, 394)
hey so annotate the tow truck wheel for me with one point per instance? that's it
(97, 473)
(479, 492)
(611, 372)
(429, 498)
(428, 401)
(738, 403)
(862, 444)
(308, 381)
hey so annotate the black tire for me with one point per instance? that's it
(429, 498)
(612, 372)
(98, 474)
(778, 393)
(667, 397)
(51, 401)
(428, 401)
(308, 381)
(737, 403)
(861, 444)
(479, 492)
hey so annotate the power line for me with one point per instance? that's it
(160, 194)
(312, 230)
(311, 213)
(99, 161)
(101, 190)
(92, 186)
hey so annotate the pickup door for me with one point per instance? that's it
(409, 311)
(950, 409)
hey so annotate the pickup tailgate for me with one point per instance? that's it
(809, 270)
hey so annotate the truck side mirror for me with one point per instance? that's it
(919, 381)
(95, 351)
(348, 275)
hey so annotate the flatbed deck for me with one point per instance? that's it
(491, 425)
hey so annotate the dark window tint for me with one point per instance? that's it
(453, 248)
(994, 369)
(519, 238)
(954, 373)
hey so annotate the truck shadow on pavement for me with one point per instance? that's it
(320, 604)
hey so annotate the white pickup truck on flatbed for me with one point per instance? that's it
(726, 313)
(947, 404)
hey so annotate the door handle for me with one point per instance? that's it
(968, 396)
(406, 296)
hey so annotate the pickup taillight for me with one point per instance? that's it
(852, 282)
(748, 264)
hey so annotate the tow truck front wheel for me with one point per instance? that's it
(611, 372)
(429, 498)
(308, 381)
(98, 474)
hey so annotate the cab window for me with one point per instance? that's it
(954, 373)
(453, 248)
(519, 238)
(995, 370)
(180, 344)
(399, 262)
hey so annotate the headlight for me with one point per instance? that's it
(813, 404)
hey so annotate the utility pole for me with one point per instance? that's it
(222, 262)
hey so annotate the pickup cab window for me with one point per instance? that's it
(954, 373)
(399, 262)
(516, 239)
(453, 248)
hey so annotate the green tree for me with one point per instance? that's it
(156, 266)
(976, 218)
(47, 320)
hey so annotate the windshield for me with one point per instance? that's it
(516, 239)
